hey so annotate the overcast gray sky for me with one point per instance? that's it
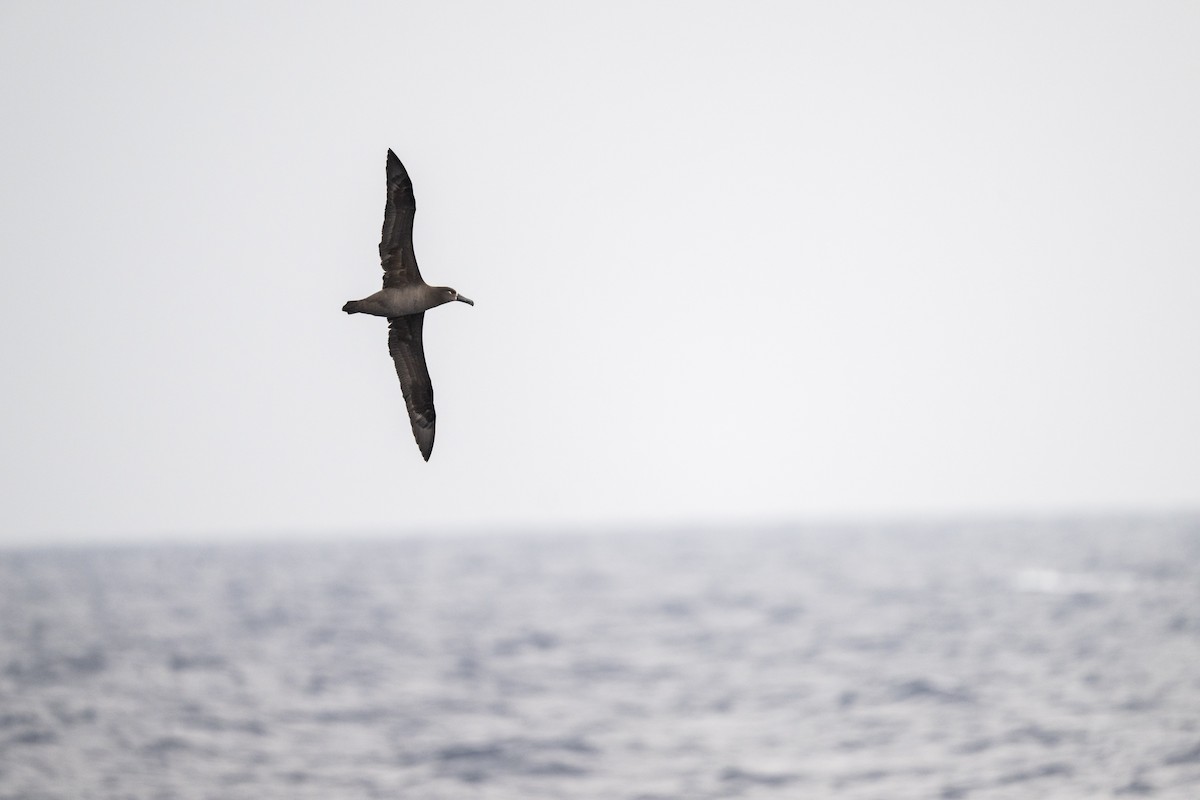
(730, 260)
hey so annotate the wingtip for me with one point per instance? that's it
(395, 169)
(424, 435)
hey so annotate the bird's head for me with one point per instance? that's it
(448, 295)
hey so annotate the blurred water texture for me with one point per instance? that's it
(982, 660)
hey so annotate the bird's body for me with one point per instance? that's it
(404, 299)
(397, 302)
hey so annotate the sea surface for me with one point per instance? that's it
(1054, 659)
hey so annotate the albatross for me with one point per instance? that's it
(404, 299)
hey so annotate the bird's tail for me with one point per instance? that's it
(352, 306)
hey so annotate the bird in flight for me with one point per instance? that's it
(404, 299)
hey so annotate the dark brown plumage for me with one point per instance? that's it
(404, 299)
(395, 245)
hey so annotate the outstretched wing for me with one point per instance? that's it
(404, 343)
(396, 247)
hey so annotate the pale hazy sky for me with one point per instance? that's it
(730, 261)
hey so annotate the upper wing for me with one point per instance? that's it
(396, 247)
(405, 345)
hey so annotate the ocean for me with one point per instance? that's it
(981, 660)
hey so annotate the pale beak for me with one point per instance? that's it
(466, 300)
